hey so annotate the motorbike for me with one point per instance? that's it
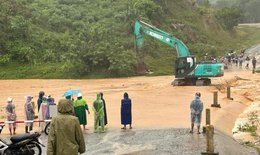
(47, 128)
(21, 144)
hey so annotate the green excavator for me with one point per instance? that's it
(187, 70)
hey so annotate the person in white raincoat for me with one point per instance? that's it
(29, 113)
(196, 107)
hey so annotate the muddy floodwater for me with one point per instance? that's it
(161, 114)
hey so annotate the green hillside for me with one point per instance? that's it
(94, 38)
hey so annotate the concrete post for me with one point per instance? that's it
(207, 120)
(215, 100)
(209, 141)
(207, 116)
(228, 93)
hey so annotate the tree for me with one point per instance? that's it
(229, 17)
(147, 8)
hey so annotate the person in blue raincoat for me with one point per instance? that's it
(126, 111)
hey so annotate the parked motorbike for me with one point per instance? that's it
(47, 128)
(21, 144)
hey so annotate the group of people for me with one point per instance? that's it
(43, 104)
(80, 107)
(65, 132)
(233, 57)
(81, 110)
(66, 136)
(11, 114)
(247, 61)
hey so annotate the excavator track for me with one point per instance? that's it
(191, 82)
(203, 82)
(178, 82)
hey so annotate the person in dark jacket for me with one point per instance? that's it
(254, 62)
(105, 111)
(39, 101)
(126, 111)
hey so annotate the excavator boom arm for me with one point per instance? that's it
(158, 34)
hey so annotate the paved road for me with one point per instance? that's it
(254, 51)
(171, 141)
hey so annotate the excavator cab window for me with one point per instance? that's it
(184, 65)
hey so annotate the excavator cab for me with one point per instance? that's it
(184, 66)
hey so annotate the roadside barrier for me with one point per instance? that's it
(25, 121)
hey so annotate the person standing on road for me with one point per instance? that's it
(105, 111)
(39, 101)
(247, 62)
(80, 107)
(65, 136)
(240, 60)
(254, 62)
(29, 113)
(126, 111)
(42, 112)
(196, 107)
(98, 109)
(11, 115)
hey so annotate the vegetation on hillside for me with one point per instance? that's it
(250, 12)
(94, 39)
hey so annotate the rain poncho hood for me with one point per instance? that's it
(125, 95)
(65, 106)
(28, 98)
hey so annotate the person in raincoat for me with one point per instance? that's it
(105, 111)
(126, 111)
(65, 136)
(196, 107)
(247, 59)
(11, 115)
(42, 112)
(254, 62)
(98, 108)
(39, 101)
(50, 102)
(29, 113)
(80, 107)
